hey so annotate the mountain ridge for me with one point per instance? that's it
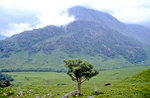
(81, 13)
(2, 37)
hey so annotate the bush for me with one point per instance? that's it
(4, 83)
(5, 77)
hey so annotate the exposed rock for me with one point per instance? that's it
(107, 84)
(72, 93)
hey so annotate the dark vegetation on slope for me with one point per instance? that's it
(5, 77)
(5, 80)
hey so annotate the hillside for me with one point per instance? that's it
(139, 32)
(95, 36)
(143, 76)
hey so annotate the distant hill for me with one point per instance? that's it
(95, 36)
(146, 24)
(2, 37)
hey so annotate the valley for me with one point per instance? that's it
(123, 84)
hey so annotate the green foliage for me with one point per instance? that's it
(5, 93)
(4, 83)
(80, 69)
(5, 80)
(5, 77)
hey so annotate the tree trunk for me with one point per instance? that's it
(79, 86)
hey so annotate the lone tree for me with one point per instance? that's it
(80, 71)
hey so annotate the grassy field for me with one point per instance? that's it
(46, 84)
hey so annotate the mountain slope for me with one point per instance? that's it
(99, 41)
(82, 13)
(137, 32)
(106, 42)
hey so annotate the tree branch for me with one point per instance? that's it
(83, 80)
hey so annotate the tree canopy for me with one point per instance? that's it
(80, 71)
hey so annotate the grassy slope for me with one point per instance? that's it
(55, 61)
(43, 83)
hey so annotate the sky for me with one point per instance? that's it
(19, 15)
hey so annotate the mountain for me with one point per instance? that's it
(82, 13)
(2, 37)
(94, 36)
(146, 24)
(139, 32)
(131, 30)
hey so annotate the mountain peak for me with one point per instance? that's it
(76, 9)
(83, 13)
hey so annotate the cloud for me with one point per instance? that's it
(17, 28)
(36, 13)
(128, 11)
(134, 15)
(40, 13)
(54, 17)
(10, 17)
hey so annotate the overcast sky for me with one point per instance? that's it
(19, 15)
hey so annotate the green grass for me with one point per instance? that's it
(43, 83)
(24, 60)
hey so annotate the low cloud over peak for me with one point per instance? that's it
(19, 15)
